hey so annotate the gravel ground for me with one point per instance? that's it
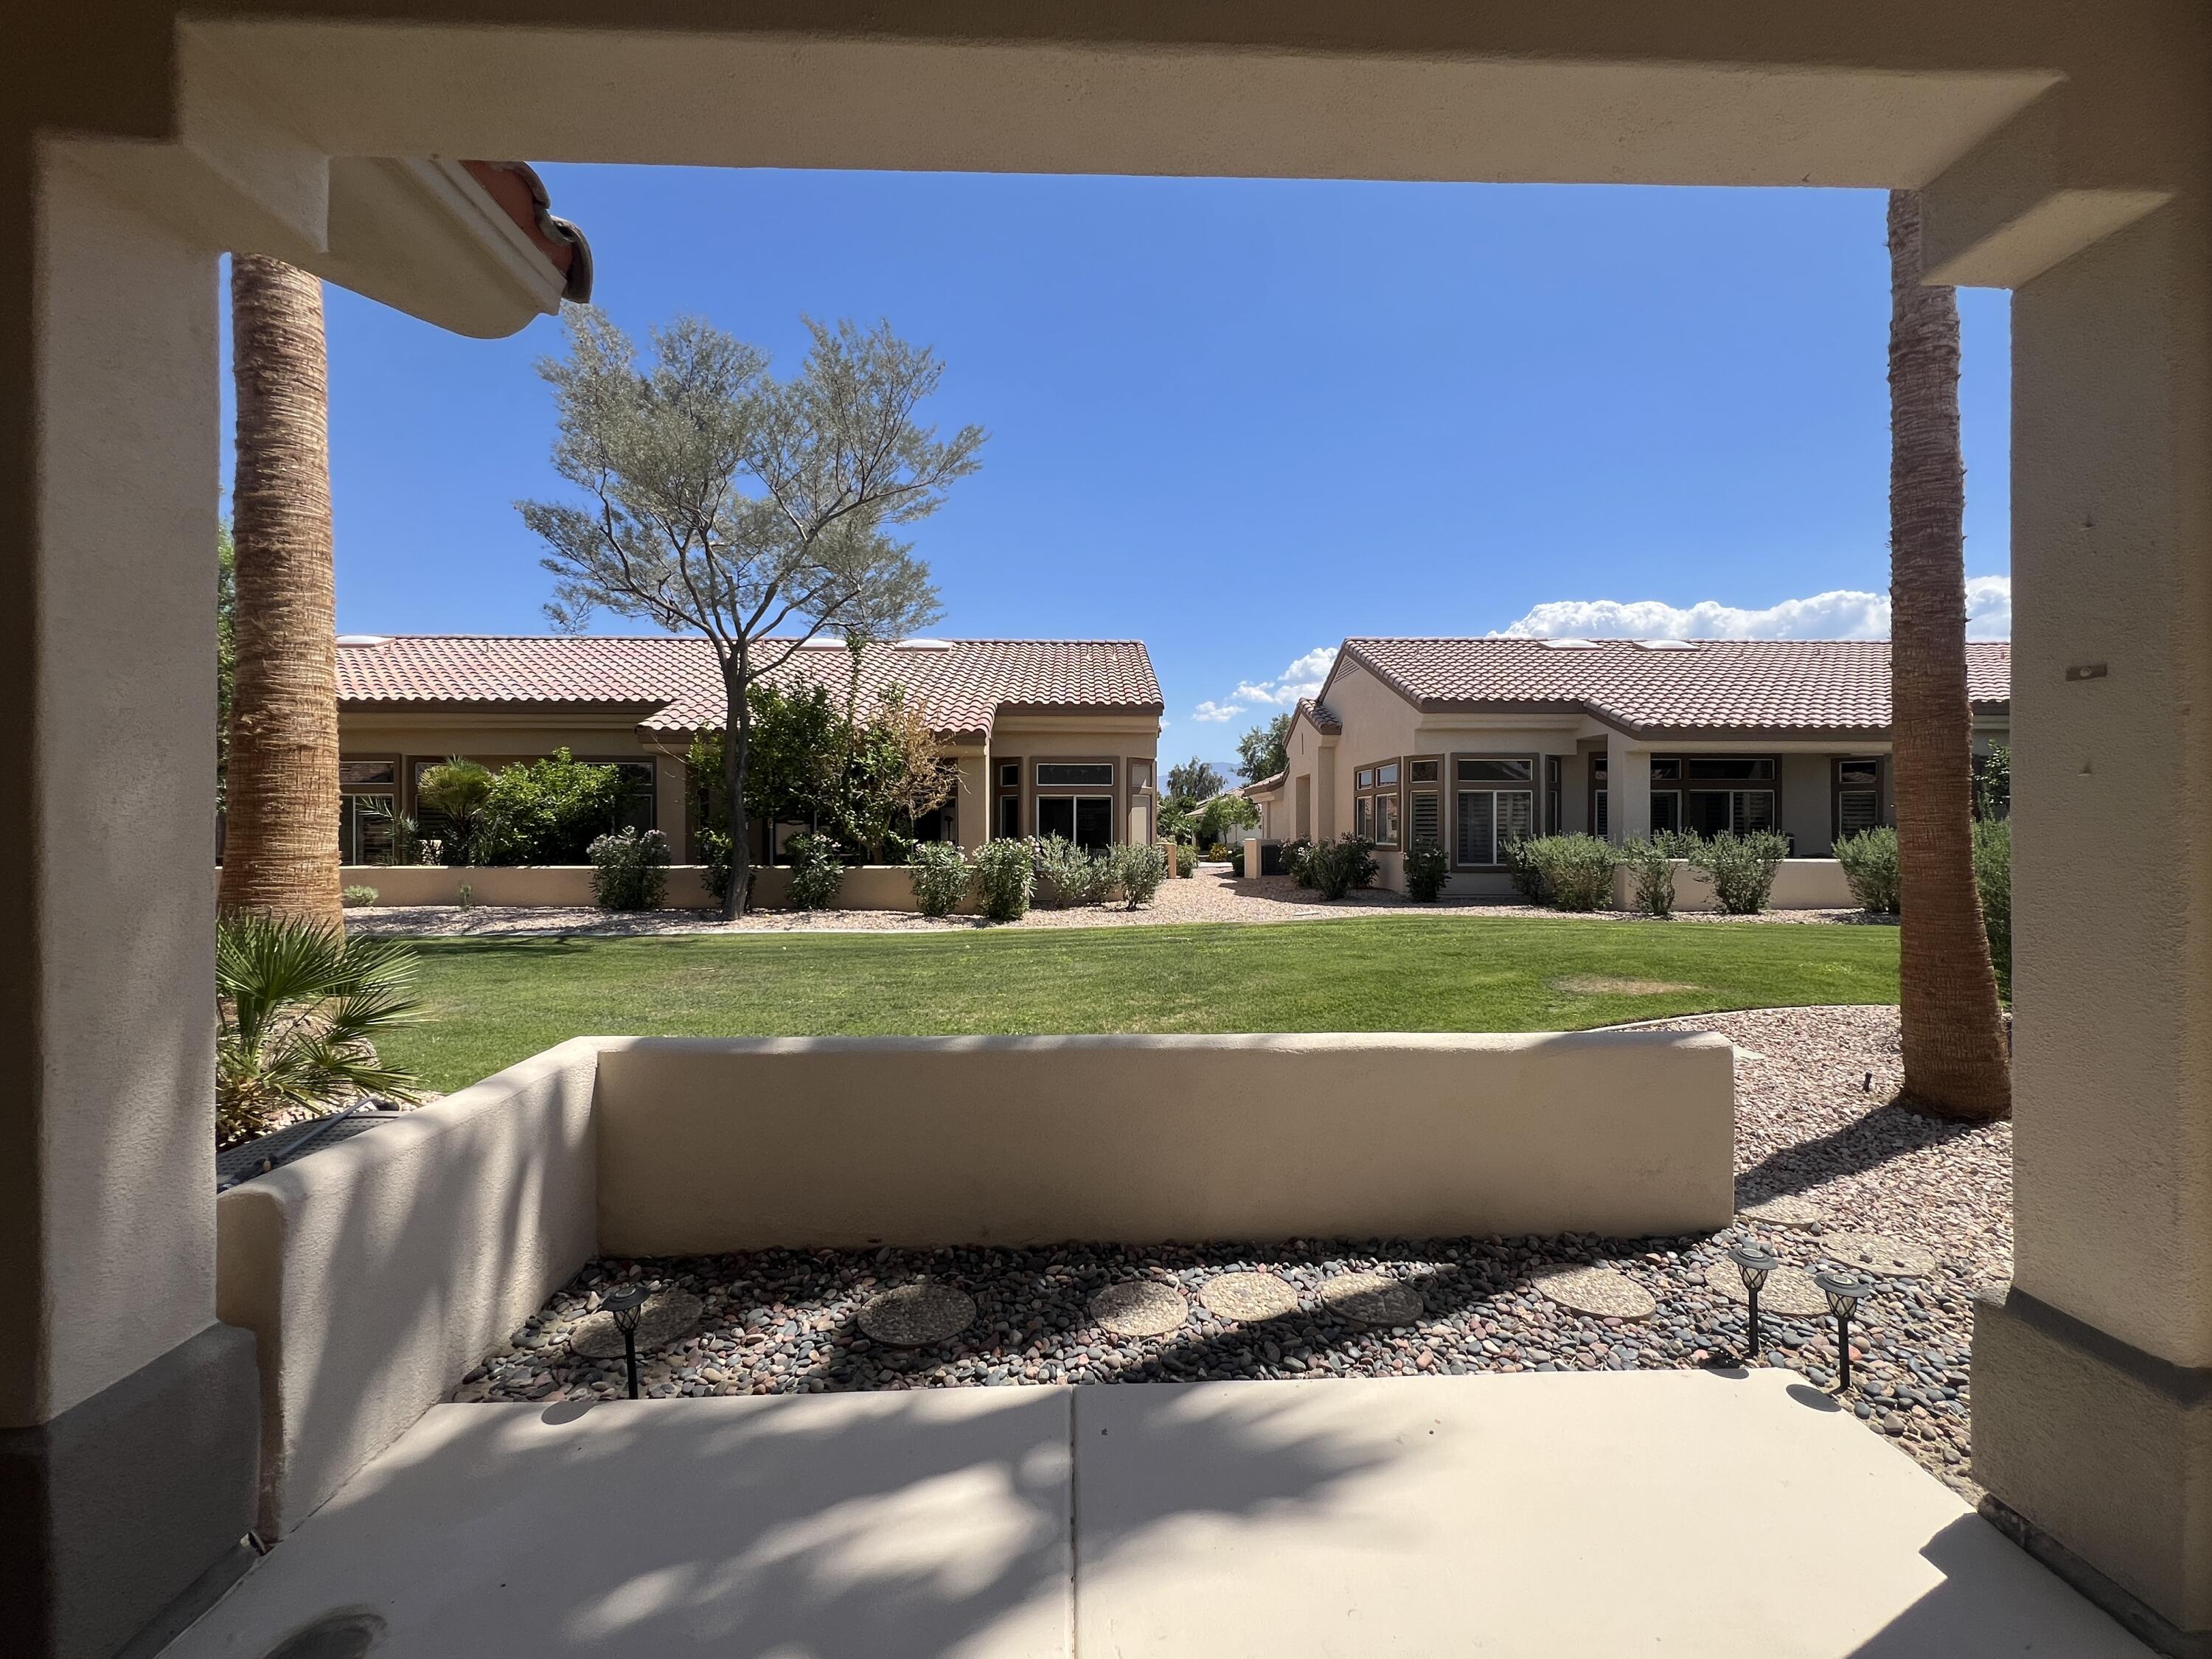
(786, 1321)
(1213, 895)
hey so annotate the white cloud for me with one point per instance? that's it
(1302, 678)
(1841, 614)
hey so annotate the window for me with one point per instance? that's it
(1666, 810)
(1554, 771)
(1424, 819)
(639, 805)
(1722, 768)
(1490, 818)
(1086, 820)
(1426, 771)
(1740, 810)
(1010, 800)
(1009, 775)
(368, 796)
(1858, 795)
(1065, 774)
(1495, 771)
(1375, 806)
(1666, 769)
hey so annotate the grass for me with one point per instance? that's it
(492, 1002)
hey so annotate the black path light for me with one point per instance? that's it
(626, 1303)
(1844, 1292)
(1752, 1260)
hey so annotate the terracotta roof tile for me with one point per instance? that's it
(961, 685)
(1764, 686)
(1320, 713)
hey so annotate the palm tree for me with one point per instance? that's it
(298, 1007)
(280, 827)
(1956, 1063)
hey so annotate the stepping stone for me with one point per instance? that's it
(1140, 1307)
(666, 1317)
(1786, 1209)
(1250, 1298)
(915, 1315)
(1870, 1252)
(1788, 1291)
(1371, 1299)
(1598, 1291)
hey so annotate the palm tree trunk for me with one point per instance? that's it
(1956, 1064)
(280, 852)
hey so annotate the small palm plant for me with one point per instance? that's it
(298, 1007)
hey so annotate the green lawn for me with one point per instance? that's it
(493, 1001)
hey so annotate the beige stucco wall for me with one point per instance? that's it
(374, 1273)
(1799, 884)
(1030, 739)
(714, 1144)
(561, 884)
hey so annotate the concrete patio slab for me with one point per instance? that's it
(1570, 1516)
(1509, 1516)
(854, 1526)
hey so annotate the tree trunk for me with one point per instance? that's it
(281, 848)
(1956, 1063)
(737, 751)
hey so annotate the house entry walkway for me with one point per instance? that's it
(1572, 1516)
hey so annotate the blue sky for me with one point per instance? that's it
(1240, 420)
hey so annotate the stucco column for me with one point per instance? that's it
(128, 1417)
(976, 803)
(2092, 1377)
(1628, 789)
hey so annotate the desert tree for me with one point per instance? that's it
(754, 512)
(1265, 749)
(1195, 781)
(1956, 1063)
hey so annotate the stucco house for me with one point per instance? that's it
(1469, 743)
(1046, 736)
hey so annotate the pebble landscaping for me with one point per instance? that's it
(1925, 1206)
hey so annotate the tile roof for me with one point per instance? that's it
(1762, 685)
(961, 685)
(1320, 713)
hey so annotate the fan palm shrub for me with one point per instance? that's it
(298, 1007)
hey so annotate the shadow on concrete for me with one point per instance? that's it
(1954, 1619)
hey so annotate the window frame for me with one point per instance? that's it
(1115, 794)
(1416, 789)
(1369, 792)
(1458, 789)
(1837, 790)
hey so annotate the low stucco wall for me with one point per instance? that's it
(563, 885)
(865, 887)
(713, 1145)
(375, 1273)
(1799, 884)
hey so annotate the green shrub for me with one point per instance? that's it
(1074, 876)
(1427, 869)
(630, 871)
(1870, 861)
(1221, 819)
(354, 898)
(298, 1007)
(1298, 861)
(1338, 866)
(1993, 877)
(1138, 868)
(715, 859)
(1568, 873)
(1186, 858)
(1650, 866)
(1222, 852)
(1526, 870)
(1005, 877)
(457, 790)
(939, 873)
(817, 872)
(547, 811)
(1740, 868)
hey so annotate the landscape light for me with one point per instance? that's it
(1755, 1263)
(626, 1304)
(1844, 1292)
